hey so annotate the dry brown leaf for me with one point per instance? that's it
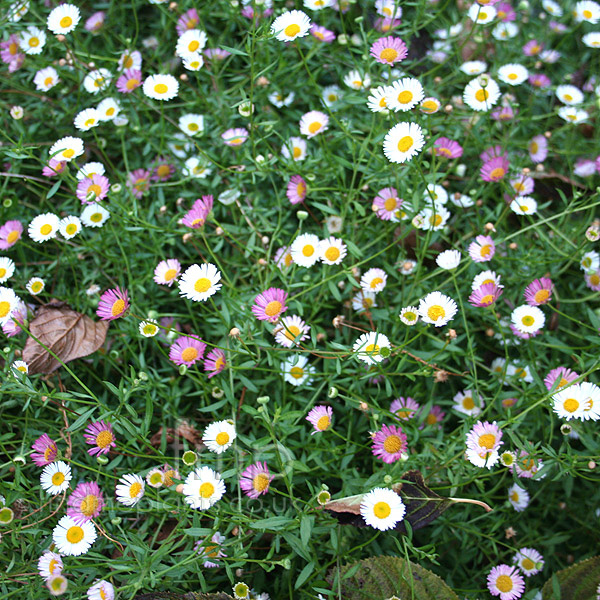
(67, 333)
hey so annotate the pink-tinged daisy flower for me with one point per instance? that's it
(283, 258)
(188, 20)
(482, 249)
(97, 185)
(592, 280)
(10, 234)
(435, 417)
(485, 295)
(215, 362)
(86, 502)
(13, 327)
(255, 480)
(539, 80)
(95, 22)
(162, 170)
(563, 375)
(584, 167)
(196, 217)
(186, 351)
(532, 48)
(523, 336)
(138, 182)
(494, 169)
(538, 148)
(530, 561)
(505, 581)
(312, 123)
(100, 435)
(270, 305)
(101, 590)
(483, 442)
(322, 33)
(505, 12)
(113, 304)
(296, 190)
(216, 53)
(10, 55)
(235, 137)
(167, 271)
(320, 418)
(447, 148)
(492, 152)
(385, 24)
(526, 466)
(211, 550)
(539, 291)
(523, 185)
(250, 13)
(291, 328)
(129, 81)
(54, 167)
(389, 50)
(389, 443)
(50, 564)
(504, 113)
(387, 204)
(45, 451)
(405, 408)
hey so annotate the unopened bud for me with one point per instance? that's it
(363, 406)
(263, 400)
(262, 81)
(262, 262)
(61, 38)
(451, 334)
(234, 332)
(565, 429)
(101, 459)
(490, 227)
(184, 77)
(591, 465)
(489, 332)
(217, 392)
(338, 321)
(302, 215)
(186, 237)
(321, 336)
(333, 392)
(162, 210)
(513, 245)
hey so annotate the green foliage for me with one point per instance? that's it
(577, 582)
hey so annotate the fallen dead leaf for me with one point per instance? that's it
(66, 332)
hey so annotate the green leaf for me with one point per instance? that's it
(53, 190)
(577, 582)
(304, 574)
(83, 417)
(273, 523)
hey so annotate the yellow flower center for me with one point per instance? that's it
(541, 296)
(594, 279)
(66, 22)
(170, 274)
(405, 143)
(189, 354)
(273, 308)
(202, 285)
(69, 153)
(429, 106)
(74, 534)
(512, 76)
(219, 363)
(571, 405)
(527, 564)
(261, 482)
(389, 55)
(487, 299)
(193, 46)
(52, 565)
(160, 88)
(292, 332)
(533, 147)
(314, 127)
(297, 372)
(323, 423)
(487, 440)
(528, 320)
(292, 30)
(58, 478)
(436, 312)
(485, 250)
(12, 237)
(12, 49)
(332, 253)
(372, 349)
(482, 16)
(504, 583)
(297, 152)
(382, 510)
(34, 42)
(308, 250)
(37, 285)
(514, 497)
(468, 403)
(390, 204)
(89, 505)
(222, 438)
(587, 14)
(405, 97)
(135, 489)
(481, 95)
(118, 307)
(45, 229)
(127, 62)
(96, 218)
(375, 282)
(4, 308)
(156, 478)
(104, 439)
(392, 444)
(2, 272)
(497, 173)
(149, 328)
(132, 83)
(95, 188)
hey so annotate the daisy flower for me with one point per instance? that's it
(404, 408)
(69, 227)
(148, 328)
(322, 33)
(485, 295)
(219, 436)
(86, 502)
(527, 319)
(129, 81)
(200, 282)
(45, 451)
(505, 581)
(295, 148)
(464, 403)
(305, 250)
(483, 441)
(377, 100)
(211, 551)
(97, 80)
(572, 115)
(138, 181)
(10, 234)
(290, 25)
(480, 94)
(7, 268)
(437, 309)
(66, 149)
(513, 74)
(197, 215)
(100, 435)
(331, 251)
(363, 301)
(43, 227)
(482, 249)
(518, 497)
(86, 119)
(255, 480)
(101, 590)
(320, 418)
(539, 291)
(570, 403)
(269, 305)
(9, 302)
(382, 509)
(473, 67)
(313, 123)
(108, 109)
(155, 478)
(587, 10)
(280, 100)
(186, 351)
(203, 487)
(524, 205)
(356, 81)
(291, 330)
(430, 105)
(235, 137)
(409, 315)
(591, 39)
(73, 539)
(434, 417)
(196, 167)
(50, 564)
(45, 79)
(389, 50)
(389, 443)
(32, 40)
(494, 169)
(447, 148)
(130, 489)
(55, 477)
(402, 142)
(562, 375)
(92, 189)
(296, 370)
(188, 20)
(94, 215)
(63, 19)
(374, 280)
(591, 406)
(57, 585)
(190, 43)
(569, 94)
(113, 304)
(368, 347)
(526, 466)
(192, 124)
(162, 170)
(590, 261)
(530, 561)
(215, 362)
(161, 87)
(448, 260)
(296, 189)
(387, 204)
(592, 280)
(35, 286)
(404, 94)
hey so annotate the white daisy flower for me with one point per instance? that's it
(9, 301)
(148, 328)
(72, 538)
(296, 370)
(108, 109)
(200, 282)
(193, 62)
(161, 87)
(368, 347)
(403, 141)
(49, 564)
(290, 25)
(317, 4)
(482, 14)
(305, 250)
(66, 149)
(46, 79)
(473, 67)
(280, 100)
(130, 60)
(448, 260)
(573, 115)
(203, 487)
(191, 124)
(196, 167)
(86, 119)
(524, 205)
(377, 100)
(527, 319)
(63, 19)
(592, 39)
(89, 169)
(437, 309)
(505, 31)
(388, 8)
(488, 460)
(404, 94)
(356, 81)
(513, 74)
(295, 149)
(55, 477)
(590, 261)
(481, 93)
(190, 43)
(130, 489)
(155, 478)
(219, 436)
(17, 10)
(101, 590)
(312, 123)
(591, 407)
(530, 561)
(570, 403)
(373, 280)
(43, 227)
(382, 508)
(35, 286)
(586, 10)
(332, 251)
(433, 218)
(518, 497)
(461, 200)
(464, 403)
(552, 8)
(97, 80)
(409, 315)
(94, 215)
(485, 277)
(569, 94)
(435, 194)
(7, 268)
(364, 301)
(20, 366)
(291, 328)
(32, 40)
